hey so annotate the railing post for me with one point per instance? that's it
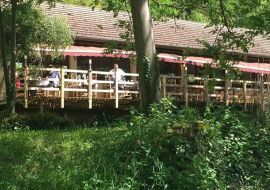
(186, 86)
(245, 94)
(226, 88)
(206, 91)
(164, 85)
(182, 81)
(62, 88)
(116, 85)
(41, 106)
(25, 78)
(262, 91)
(90, 98)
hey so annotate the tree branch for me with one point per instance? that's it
(224, 18)
(166, 5)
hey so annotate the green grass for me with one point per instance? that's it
(53, 159)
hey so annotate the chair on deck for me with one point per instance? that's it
(108, 87)
(94, 86)
(73, 84)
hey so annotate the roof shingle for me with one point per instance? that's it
(99, 24)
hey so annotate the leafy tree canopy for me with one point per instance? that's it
(24, 28)
(36, 30)
(160, 9)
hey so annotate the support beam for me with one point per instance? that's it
(186, 86)
(41, 106)
(206, 92)
(90, 98)
(226, 99)
(182, 80)
(25, 78)
(116, 85)
(62, 91)
(245, 94)
(133, 69)
(72, 64)
(262, 91)
(164, 85)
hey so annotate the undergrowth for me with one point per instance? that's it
(35, 121)
(170, 148)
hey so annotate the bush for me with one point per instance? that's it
(234, 153)
(13, 122)
(35, 121)
(166, 150)
(169, 148)
(49, 121)
(148, 155)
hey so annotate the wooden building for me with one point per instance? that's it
(181, 78)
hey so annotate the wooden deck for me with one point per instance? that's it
(224, 91)
(87, 89)
(81, 89)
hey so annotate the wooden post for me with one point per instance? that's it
(186, 87)
(90, 98)
(182, 80)
(262, 91)
(116, 85)
(245, 94)
(164, 85)
(25, 78)
(62, 88)
(226, 88)
(206, 92)
(41, 106)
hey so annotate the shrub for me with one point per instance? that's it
(234, 153)
(230, 151)
(169, 148)
(13, 122)
(48, 121)
(35, 121)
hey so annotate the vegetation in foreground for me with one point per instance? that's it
(223, 148)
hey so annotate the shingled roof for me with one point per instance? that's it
(98, 25)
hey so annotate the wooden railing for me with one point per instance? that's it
(197, 89)
(87, 86)
(96, 85)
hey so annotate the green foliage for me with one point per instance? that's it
(35, 29)
(14, 122)
(162, 10)
(235, 149)
(88, 3)
(227, 18)
(35, 122)
(170, 148)
(128, 46)
(25, 28)
(147, 81)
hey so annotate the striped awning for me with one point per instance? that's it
(92, 51)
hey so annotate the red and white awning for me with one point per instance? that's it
(200, 61)
(170, 58)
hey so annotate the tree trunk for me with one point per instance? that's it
(13, 59)
(146, 52)
(4, 61)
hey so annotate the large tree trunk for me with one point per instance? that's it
(146, 52)
(4, 61)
